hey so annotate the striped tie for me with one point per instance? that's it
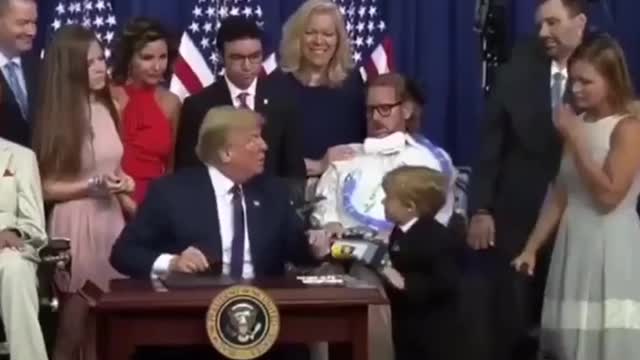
(12, 68)
(242, 98)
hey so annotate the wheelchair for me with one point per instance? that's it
(55, 256)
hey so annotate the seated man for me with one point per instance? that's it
(222, 211)
(353, 188)
(22, 234)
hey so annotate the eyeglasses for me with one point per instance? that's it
(254, 58)
(382, 109)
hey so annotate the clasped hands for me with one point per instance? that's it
(106, 184)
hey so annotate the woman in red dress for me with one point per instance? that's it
(150, 112)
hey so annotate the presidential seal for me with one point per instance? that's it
(243, 322)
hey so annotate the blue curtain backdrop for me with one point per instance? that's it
(433, 43)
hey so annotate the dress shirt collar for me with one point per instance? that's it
(4, 60)
(222, 185)
(408, 225)
(555, 68)
(234, 91)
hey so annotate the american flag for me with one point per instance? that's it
(96, 15)
(199, 62)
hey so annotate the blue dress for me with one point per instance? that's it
(329, 116)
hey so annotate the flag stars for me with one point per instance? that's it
(194, 27)
(56, 24)
(100, 5)
(99, 21)
(60, 9)
(235, 11)
(197, 12)
(247, 12)
(208, 27)
(211, 11)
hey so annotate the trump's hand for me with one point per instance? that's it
(192, 260)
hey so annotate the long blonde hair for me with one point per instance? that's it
(290, 47)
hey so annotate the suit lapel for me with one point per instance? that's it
(223, 92)
(5, 156)
(29, 72)
(540, 131)
(206, 195)
(254, 202)
(261, 101)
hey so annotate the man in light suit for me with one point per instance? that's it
(22, 234)
(18, 69)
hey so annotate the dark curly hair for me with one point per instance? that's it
(136, 34)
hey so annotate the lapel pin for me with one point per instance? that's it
(265, 101)
(256, 203)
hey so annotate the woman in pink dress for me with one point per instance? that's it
(79, 152)
(142, 59)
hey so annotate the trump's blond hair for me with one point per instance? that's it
(219, 122)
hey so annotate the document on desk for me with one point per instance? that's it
(190, 281)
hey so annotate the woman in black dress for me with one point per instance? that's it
(422, 278)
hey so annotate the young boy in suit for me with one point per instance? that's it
(422, 277)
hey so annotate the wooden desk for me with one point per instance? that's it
(139, 313)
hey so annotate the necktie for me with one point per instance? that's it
(237, 244)
(12, 68)
(556, 89)
(242, 98)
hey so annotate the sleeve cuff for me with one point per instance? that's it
(161, 266)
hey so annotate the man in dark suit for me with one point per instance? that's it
(222, 212)
(239, 42)
(518, 158)
(17, 69)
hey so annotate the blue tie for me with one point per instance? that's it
(12, 68)
(237, 244)
(556, 90)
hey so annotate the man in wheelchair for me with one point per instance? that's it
(22, 236)
(352, 189)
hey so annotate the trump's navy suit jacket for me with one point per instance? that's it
(180, 211)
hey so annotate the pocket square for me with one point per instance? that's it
(7, 173)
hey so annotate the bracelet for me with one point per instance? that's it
(94, 185)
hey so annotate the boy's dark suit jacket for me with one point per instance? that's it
(180, 211)
(425, 315)
(284, 156)
(13, 126)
